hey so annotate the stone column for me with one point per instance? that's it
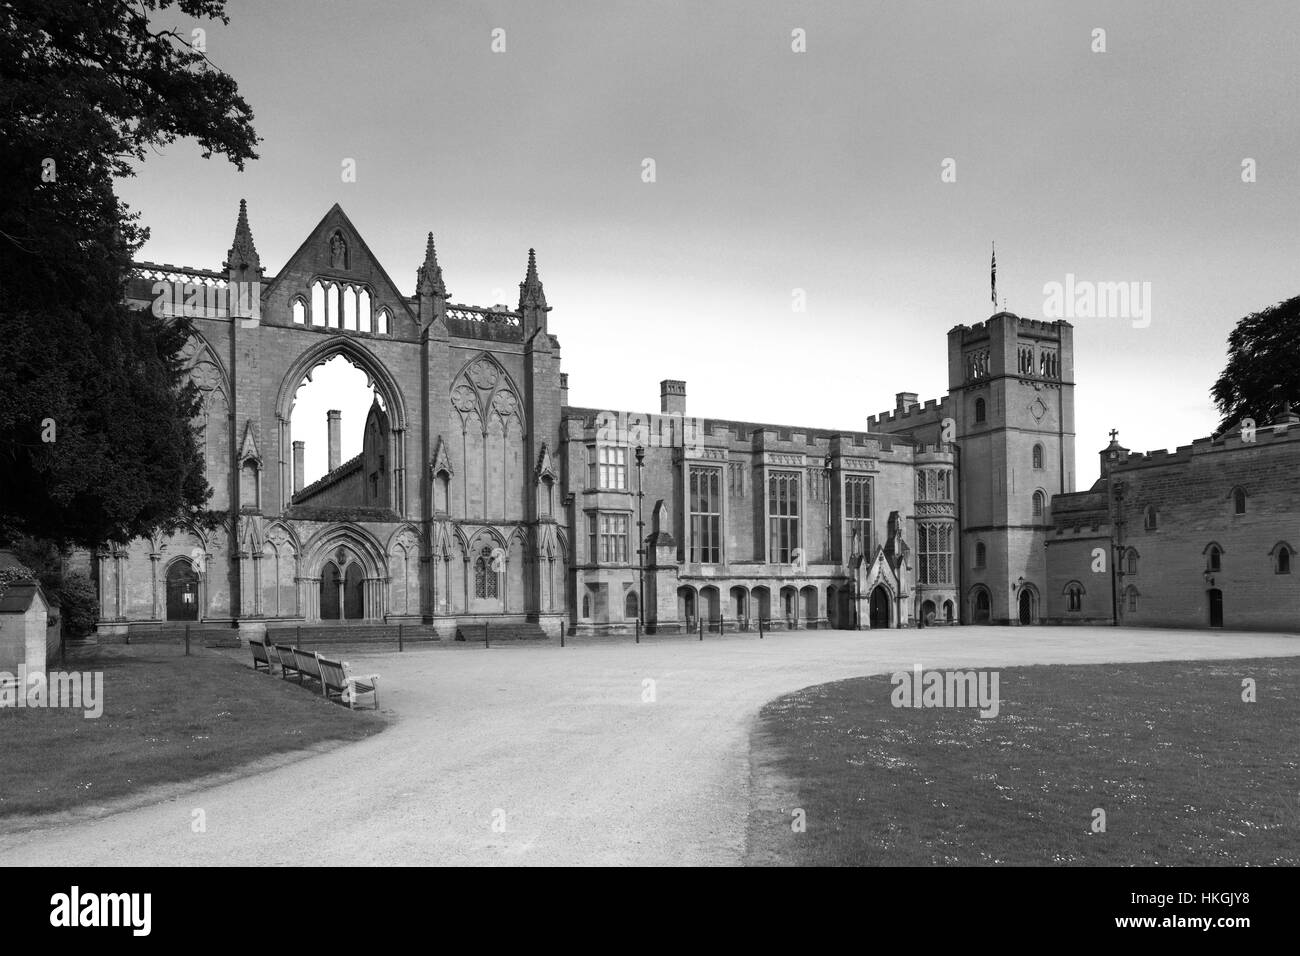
(103, 585)
(119, 559)
(661, 583)
(154, 558)
(398, 452)
(202, 589)
(258, 605)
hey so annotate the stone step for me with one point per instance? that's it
(217, 634)
(313, 634)
(503, 631)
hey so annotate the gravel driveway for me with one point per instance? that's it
(560, 748)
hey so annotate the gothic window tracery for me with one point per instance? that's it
(335, 304)
(485, 576)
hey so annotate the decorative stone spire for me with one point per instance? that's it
(431, 291)
(428, 278)
(531, 293)
(242, 257)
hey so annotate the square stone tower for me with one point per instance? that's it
(1011, 385)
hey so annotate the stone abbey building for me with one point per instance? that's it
(482, 496)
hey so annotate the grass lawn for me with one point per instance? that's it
(166, 718)
(1186, 772)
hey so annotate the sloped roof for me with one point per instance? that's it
(326, 480)
(17, 598)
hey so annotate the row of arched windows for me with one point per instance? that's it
(1074, 593)
(1281, 558)
(340, 305)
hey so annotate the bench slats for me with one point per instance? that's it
(338, 682)
(287, 661)
(260, 657)
(335, 677)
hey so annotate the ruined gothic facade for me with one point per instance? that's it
(482, 497)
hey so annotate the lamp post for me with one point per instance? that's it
(640, 541)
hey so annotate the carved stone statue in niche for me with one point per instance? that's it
(338, 252)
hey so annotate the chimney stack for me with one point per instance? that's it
(905, 400)
(672, 397)
(299, 467)
(334, 425)
(564, 388)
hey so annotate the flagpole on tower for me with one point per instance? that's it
(993, 276)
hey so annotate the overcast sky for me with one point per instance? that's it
(778, 171)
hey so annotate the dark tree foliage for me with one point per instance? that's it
(1263, 370)
(73, 590)
(87, 87)
(78, 604)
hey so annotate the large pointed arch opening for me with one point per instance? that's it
(388, 483)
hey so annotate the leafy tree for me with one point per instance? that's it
(44, 561)
(96, 441)
(1263, 370)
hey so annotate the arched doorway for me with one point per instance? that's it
(686, 606)
(710, 607)
(947, 611)
(1216, 607)
(1026, 606)
(790, 607)
(928, 612)
(983, 611)
(879, 607)
(740, 606)
(808, 598)
(182, 591)
(329, 592)
(762, 604)
(353, 598)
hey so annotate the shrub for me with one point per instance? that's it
(80, 604)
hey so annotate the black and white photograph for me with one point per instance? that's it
(744, 433)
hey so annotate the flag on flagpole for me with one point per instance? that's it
(993, 276)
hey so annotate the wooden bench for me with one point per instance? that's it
(260, 658)
(308, 665)
(338, 682)
(287, 661)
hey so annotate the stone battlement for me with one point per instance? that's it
(913, 414)
(1227, 442)
(1043, 328)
